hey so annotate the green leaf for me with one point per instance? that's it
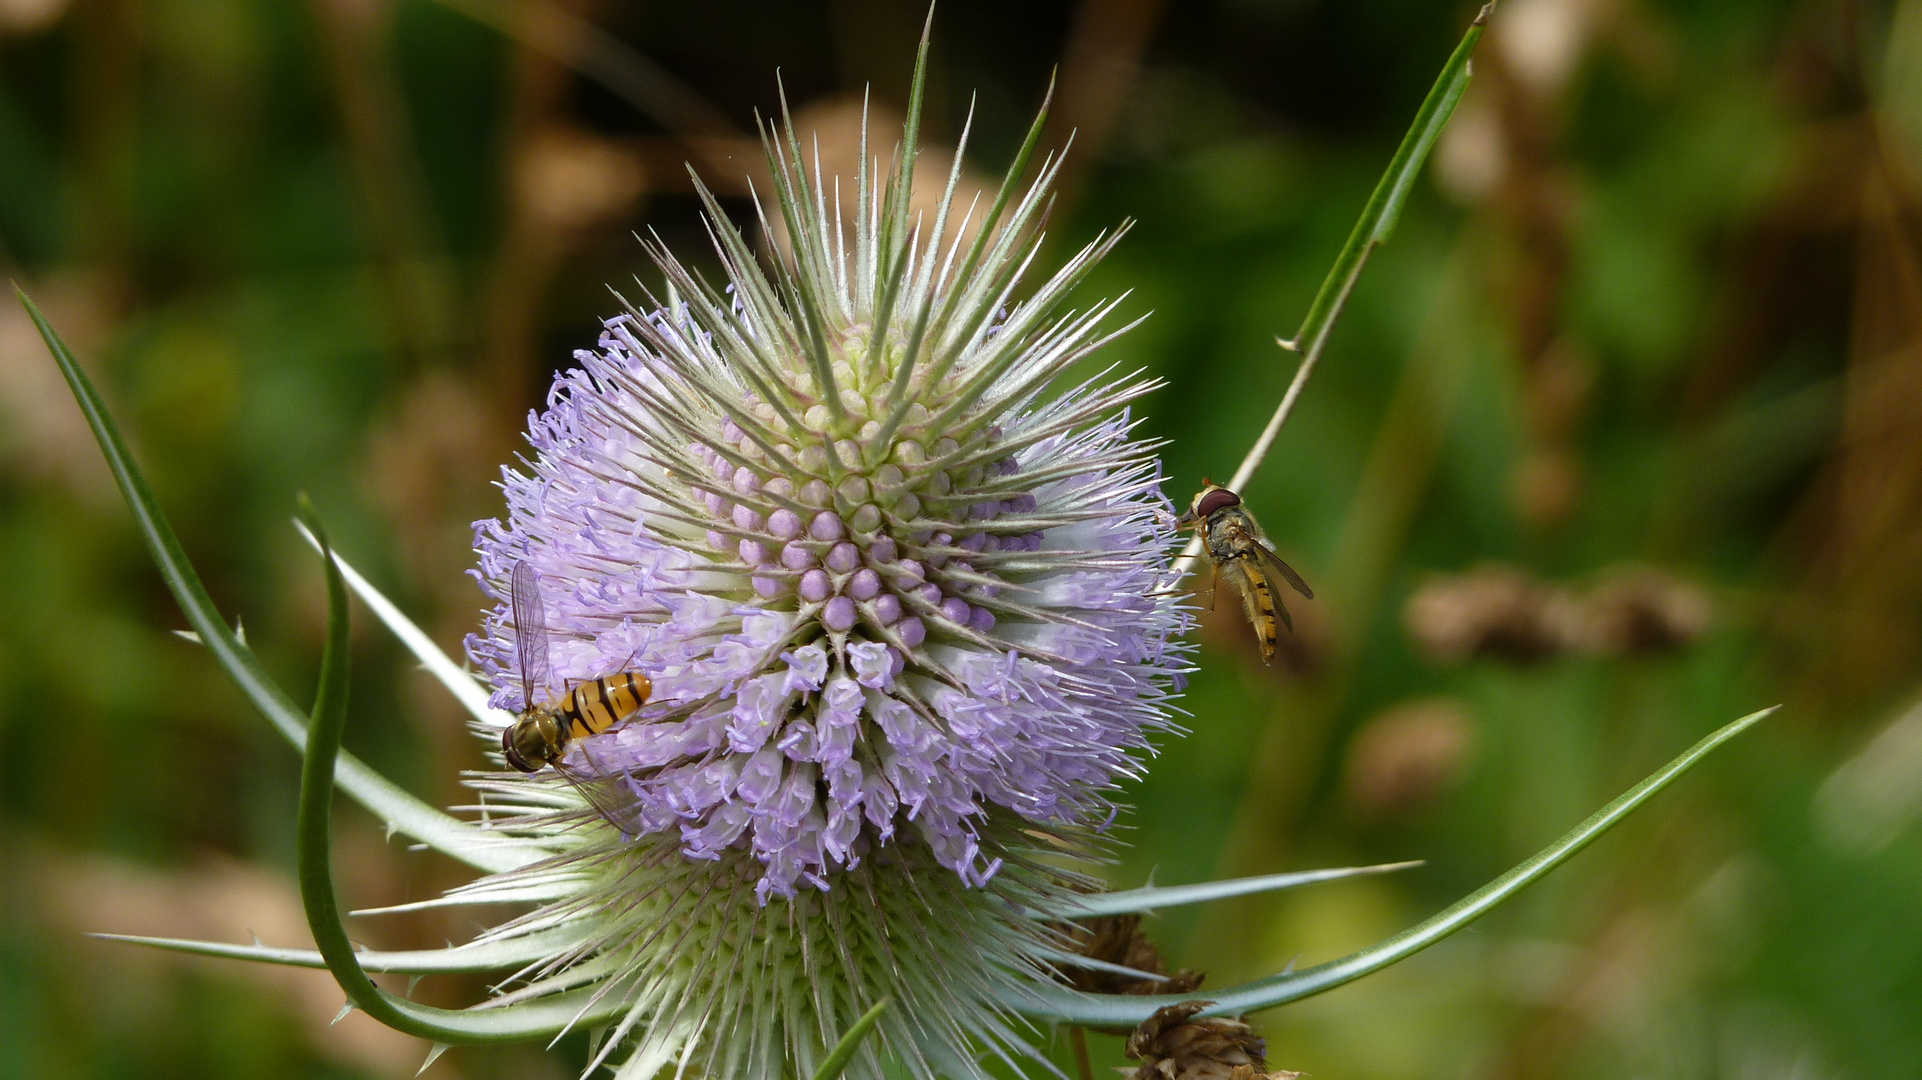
(477, 956)
(1384, 206)
(1060, 1004)
(486, 891)
(402, 812)
(1128, 901)
(1377, 222)
(442, 667)
(1061, 958)
(837, 1060)
(313, 832)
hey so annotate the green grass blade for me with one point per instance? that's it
(1062, 1005)
(315, 841)
(399, 810)
(1129, 901)
(1384, 206)
(837, 1060)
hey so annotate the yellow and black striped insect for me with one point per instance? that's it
(1241, 555)
(540, 735)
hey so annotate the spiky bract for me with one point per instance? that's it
(712, 983)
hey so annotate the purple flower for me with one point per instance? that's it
(844, 518)
(950, 590)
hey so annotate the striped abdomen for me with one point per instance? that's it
(594, 706)
(1258, 601)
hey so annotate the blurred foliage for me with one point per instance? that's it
(1650, 343)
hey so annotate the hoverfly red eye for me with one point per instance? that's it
(1215, 500)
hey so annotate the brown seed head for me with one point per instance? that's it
(1641, 611)
(1175, 1044)
(1505, 612)
(1118, 939)
(1493, 611)
(1405, 758)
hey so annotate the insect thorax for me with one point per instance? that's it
(543, 727)
(1231, 532)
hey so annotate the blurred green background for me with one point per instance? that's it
(1621, 438)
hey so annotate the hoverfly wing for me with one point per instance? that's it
(605, 794)
(530, 632)
(1257, 601)
(1271, 563)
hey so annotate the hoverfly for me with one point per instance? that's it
(540, 735)
(1239, 552)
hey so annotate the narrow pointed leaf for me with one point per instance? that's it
(1130, 901)
(313, 832)
(401, 811)
(1063, 1005)
(516, 890)
(1384, 206)
(837, 1060)
(480, 956)
(1089, 963)
(455, 678)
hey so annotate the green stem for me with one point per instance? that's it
(1078, 1039)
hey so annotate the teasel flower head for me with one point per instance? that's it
(904, 600)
